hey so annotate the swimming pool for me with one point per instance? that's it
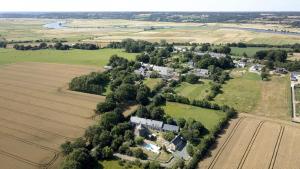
(151, 147)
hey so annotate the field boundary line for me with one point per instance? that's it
(54, 89)
(43, 70)
(44, 107)
(41, 98)
(70, 66)
(220, 151)
(251, 143)
(41, 130)
(42, 118)
(19, 80)
(29, 142)
(276, 148)
(16, 157)
(38, 76)
(39, 137)
(53, 92)
(28, 70)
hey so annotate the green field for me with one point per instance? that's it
(209, 118)
(297, 93)
(84, 57)
(114, 164)
(193, 91)
(250, 51)
(151, 82)
(242, 92)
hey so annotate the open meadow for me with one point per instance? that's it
(103, 31)
(247, 93)
(194, 91)
(250, 51)
(38, 114)
(251, 142)
(209, 118)
(78, 57)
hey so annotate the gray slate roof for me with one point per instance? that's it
(146, 122)
(172, 128)
(177, 140)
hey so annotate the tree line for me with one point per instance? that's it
(57, 46)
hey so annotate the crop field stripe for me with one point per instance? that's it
(62, 71)
(27, 133)
(25, 160)
(42, 118)
(276, 148)
(42, 98)
(48, 74)
(27, 75)
(240, 166)
(38, 129)
(215, 159)
(70, 67)
(46, 108)
(56, 89)
(24, 81)
(29, 142)
(55, 153)
(53, 93)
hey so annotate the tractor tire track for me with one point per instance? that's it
(232, 132)
(244, 157)
(276, 148)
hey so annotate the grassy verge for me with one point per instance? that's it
(114, 164)
(297, 93)
(79, 57)
(193, 91)
(208, 117)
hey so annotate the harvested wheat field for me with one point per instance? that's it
(38, 114)
(254, 142)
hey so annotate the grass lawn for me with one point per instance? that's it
(209, 118)
(242, 92)
(247, 93)
(250, 51)
(297, 93)
(84, 57)
(193, 91)
(151, 82)
(275, 98)
(114, 164)
(298, 109)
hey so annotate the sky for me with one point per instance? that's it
(150, 5)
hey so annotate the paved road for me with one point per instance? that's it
(294, 118)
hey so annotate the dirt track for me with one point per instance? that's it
(254, 142)
(37, 114)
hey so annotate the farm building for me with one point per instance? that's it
(256, 68)
(200, 72)
(152, 124)
(176, 144)
(239, 64)
(145, 70)
(212, 54)
(281, 70)
(171, 128)
(141, 131)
